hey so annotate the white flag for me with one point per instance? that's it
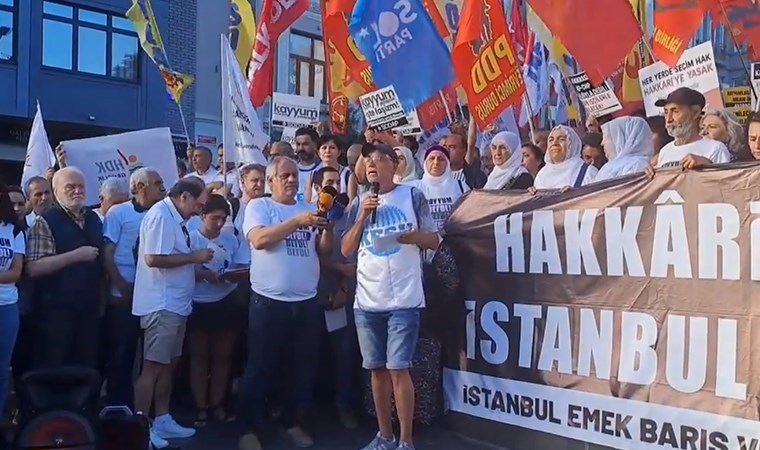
(244, 138)
(39, 154)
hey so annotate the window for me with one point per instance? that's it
(87, 41)
(306, 67)
(7, 30)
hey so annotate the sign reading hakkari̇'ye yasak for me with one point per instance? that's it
(597, 100)
(738, 100)
(696, 70)
(118, 155)
(383, 110)
(294, 110)
(623, 314)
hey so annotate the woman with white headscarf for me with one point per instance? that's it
(438, 184)
(406, 169)
(628, 145)
(564, 167)
(508, 172)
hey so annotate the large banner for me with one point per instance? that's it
(118, 155)
(622, 314)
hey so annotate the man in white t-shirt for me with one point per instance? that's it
(201, 161)
(689, 150)
(164, 283)
(121, 228)
(113, 191)
(287, 236)
(308, 160)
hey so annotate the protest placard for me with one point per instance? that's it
(118, 155)
(411, 128)
(294, 110)
(383, 110)
(696, 70)
(738, 101)
(755, 80)
(597, 100)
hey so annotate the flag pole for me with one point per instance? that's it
(739, 52)
(446, 106)
(529, 107)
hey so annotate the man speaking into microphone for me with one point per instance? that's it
(389, 229)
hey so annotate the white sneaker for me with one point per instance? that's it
(156, 442)
(169, 429)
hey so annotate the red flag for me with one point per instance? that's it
(675, 22)
(742, 18)
(518, 32)
(275, 19)
(598, 33)
(485, 61)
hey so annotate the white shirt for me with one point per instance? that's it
(244, 255)
(304, 173)
(10, 246)
(163, 233)
(671, 154)
(289, 271)
(209, 177)
(122, 228)
(225, 247)
(233, 179)
(30, 219)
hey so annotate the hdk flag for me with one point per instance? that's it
(403, 47)
(242, 31)
(141, 15)
(276, 17)
(675, 22)
(580, 24)
(485, 61)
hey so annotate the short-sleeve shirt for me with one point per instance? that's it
(671, 154)
(163, 232)
(121, 228)
(10, 246)
(289, 271)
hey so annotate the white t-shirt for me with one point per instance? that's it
(289, 271)
(233, 178)
(163, 233)
(208, 177)
(671, 154)
(304, 173)
(9, 247)
(122, 228)
(244, 255)
(225, 247)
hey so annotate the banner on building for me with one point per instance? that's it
(602, 315)
(383, 110)
(243, 137)
(118, 155)
(294, 110)
(738, 100)
(696, 70)
(597, 100)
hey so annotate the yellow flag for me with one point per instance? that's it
(141, 15)
(242, 28)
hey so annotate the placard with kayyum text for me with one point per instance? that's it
(383, 110)
(696, 70)
(294, 111)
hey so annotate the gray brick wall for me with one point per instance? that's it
(180, 38)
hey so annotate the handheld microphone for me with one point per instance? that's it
(375, 189)
(339, 207)
(325, 200)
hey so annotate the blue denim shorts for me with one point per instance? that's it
(387, 339)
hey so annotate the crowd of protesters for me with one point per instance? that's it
(243, 269)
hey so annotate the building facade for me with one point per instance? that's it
(82, 61)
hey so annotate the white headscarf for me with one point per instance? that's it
(564, 173)
(632, 149)
(442, 186)
(512, 167)
(411, 168)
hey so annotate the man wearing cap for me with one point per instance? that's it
(683, 111)
(390, 228)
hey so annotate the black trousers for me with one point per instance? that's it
(66, 336)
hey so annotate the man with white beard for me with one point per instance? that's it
(683, 112)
